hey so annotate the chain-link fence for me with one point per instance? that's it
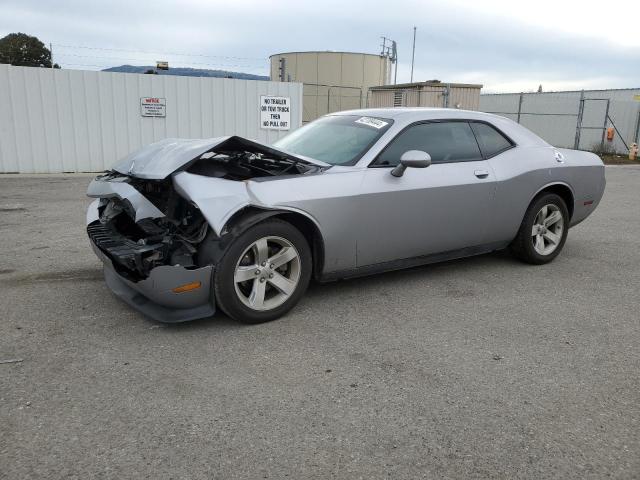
(572, 119)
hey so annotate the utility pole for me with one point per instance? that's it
(395, 60)
(413, 52)
(51, 51)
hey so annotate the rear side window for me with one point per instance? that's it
(444, 141)
(491, 141)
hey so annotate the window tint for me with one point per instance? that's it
(444, 141)
(491, 141)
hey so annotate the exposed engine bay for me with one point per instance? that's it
(237, 160)
(172, 237)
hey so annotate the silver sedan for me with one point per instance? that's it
(185, 227)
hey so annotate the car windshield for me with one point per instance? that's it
(338, 139)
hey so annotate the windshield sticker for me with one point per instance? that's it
(372, 122)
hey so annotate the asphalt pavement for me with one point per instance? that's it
(477, 368)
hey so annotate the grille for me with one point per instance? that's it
(120, 249)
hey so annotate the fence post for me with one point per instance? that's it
(519, 107)
(604, 127)
(576, 143)
(618, 132)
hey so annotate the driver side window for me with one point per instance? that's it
(444, 141)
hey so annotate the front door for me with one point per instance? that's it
(441, 208)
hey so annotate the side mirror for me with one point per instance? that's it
(411, 159)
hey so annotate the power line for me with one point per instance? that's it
(146, 60)
(83, 65)
(158, 53)
(66, 64)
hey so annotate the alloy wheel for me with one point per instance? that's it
(547, 229)
(267, 273)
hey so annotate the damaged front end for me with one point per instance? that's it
(147, 237)
(160, 228)
(147, 227)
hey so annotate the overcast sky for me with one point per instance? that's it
(505, 45)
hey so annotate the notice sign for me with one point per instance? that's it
(153, 107)
(275, 112)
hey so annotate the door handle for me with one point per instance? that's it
(481, 173)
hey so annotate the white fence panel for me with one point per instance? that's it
(83, 121)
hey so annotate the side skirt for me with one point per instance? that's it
(412, 262)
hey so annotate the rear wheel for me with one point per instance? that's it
(543, 231)
(264, 273)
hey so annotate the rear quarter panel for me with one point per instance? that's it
(522, 172)
(584, 171)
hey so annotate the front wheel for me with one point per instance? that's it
(264, 273)
(543, 231)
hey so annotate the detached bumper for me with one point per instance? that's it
(154, 296)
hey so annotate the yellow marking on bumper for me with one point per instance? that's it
(187, 287)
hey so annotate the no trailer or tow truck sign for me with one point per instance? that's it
(275, 112)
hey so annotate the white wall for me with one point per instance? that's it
(553, 115)
(83, 121)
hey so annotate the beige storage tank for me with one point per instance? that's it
(333, 81)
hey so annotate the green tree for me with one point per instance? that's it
(24, 50)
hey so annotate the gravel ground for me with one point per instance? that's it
(478, 368)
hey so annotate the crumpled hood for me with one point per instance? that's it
(160, 159)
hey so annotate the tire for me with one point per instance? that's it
(546, 226)
(250, 285)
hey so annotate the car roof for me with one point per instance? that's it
(417, 113)
(407, 115)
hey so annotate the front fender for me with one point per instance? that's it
(221, 200)
(214, 247)
(218, 199)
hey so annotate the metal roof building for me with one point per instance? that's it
(426, 94)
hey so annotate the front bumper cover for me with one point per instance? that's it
(154, 296)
